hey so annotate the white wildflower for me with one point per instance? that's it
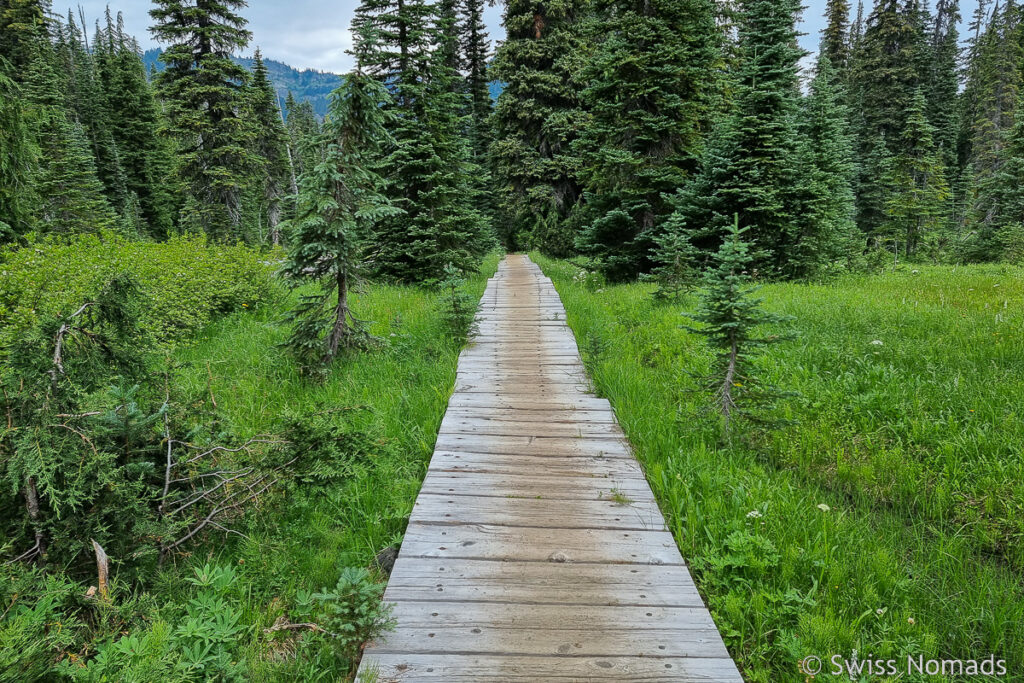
(878, 342)
(823, 507)
(753, 514)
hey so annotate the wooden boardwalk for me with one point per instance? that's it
(536, 551)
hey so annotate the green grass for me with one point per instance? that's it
(887, 519)
(396, 395)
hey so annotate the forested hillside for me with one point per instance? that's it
(305, 85)
(232, 297)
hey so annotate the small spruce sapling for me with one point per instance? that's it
(458, 306)
(353, 614)
(729, 318)
(340, 202)
(675, 255)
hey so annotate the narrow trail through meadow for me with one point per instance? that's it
(535, 550)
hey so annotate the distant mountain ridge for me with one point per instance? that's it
(306, 84)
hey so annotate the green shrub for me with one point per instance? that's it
(184, 282)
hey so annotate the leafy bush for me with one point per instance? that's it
(202, 647)
(183, 282)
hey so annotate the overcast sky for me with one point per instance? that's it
(313, 34)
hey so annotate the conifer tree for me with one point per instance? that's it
(886, 68)
(830, 152)
(136, 119)
(340, 203)
(271, 145)
(537, 118)
(943, 82)
(17, 160)
(651, 81)
(82, 74)
(22, 24)
(303, 134)
(675, 259)
(475, 50)
(69, 195)
(729, 318)
(752, 166)
(1010, 178)
(203, 89)
(918, 204)
(429, 167)
(835, 39)
(992, 91)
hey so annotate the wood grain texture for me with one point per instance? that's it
(536, 550)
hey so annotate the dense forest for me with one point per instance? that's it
(153, 219)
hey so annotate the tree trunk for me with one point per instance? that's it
(341, 330)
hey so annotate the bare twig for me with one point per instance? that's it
(58, 345)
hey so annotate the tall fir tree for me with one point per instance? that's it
(203, 91)
(1010, 178)
(917, 207)
(69, 196)
(993, 90)
(146, 157)
(650, 96)
(943, 82)
(752, 166)
(271, 145)
(537, 118)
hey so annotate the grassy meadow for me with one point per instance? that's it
(886, 518)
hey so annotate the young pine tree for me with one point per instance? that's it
(675, 260)
(729, 318)
(203, 91)
(340, 203)
(651, 83)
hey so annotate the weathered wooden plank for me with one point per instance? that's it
(455, 424)
(580, 513)
(535, 445)
(406, 668)
(497, 463)
(543, 416)
(580, 630)
(528, 402)
(531, 485)
(543, 583)
(532, 544)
